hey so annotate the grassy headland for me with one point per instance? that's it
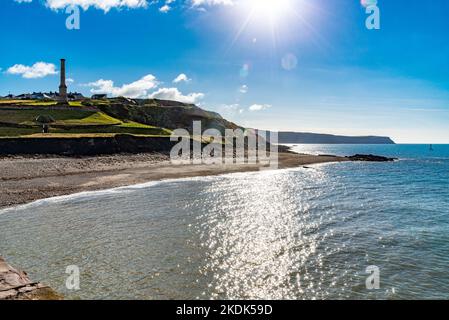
(142, 117)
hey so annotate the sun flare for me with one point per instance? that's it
(273, 9)
(271, 19)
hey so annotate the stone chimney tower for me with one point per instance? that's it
(63, 86)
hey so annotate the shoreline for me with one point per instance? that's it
(24, 180)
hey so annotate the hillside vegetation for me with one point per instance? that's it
(163, 113)
(143, 117)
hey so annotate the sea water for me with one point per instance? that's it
(305, 233)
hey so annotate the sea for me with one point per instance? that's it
(355, 230)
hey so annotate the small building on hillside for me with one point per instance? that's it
(38, 96)
(75, 96)
(49, 96)
(99, 96)
(24, 96)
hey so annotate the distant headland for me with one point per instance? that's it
(318, 138)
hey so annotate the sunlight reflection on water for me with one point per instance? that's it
(289, 234)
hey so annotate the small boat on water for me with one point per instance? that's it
(431, 148)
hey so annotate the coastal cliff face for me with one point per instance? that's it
(15, 285)
(315, 138)
(166, 114)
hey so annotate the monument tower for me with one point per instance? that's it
(63, 86)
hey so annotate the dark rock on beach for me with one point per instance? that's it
(370, 157)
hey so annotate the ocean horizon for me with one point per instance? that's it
(303, 233)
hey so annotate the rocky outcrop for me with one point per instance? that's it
(370, 157)
(15, 285)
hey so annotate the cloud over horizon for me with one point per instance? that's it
(37, 70)
(175, 95)
(259, 107)
(136, 89)
(142, 89)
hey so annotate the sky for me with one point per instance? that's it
(297, 65)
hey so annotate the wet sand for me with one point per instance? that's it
(26, 179)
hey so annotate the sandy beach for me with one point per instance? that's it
(26, 179)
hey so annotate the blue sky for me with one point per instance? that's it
(297, 65)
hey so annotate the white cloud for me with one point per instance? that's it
(104, 5)
(70, 80)
(107, 5)
(141, 89)
(243, 89)
(175, 95)
(165, 8)
(136, 89)
(230, 109)
(198, 3)
(182, 78)
(259, 107)
(37, 70)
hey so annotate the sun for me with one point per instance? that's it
(275, 19)
(272, 9)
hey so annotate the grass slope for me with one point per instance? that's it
(108, 116)
(63, 117)
(70, 122)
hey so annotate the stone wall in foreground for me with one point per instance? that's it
(85, 146)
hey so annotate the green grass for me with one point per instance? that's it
(150, 131)
(37, 103)
(3, 101)
(75, 103)
(91, 118)
(42, 103)
(73, 122)
(132, 124)
(62, 117)
(17, 132)
(115, 129)
(78, 135)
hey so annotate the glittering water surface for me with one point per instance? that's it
(289, 234)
